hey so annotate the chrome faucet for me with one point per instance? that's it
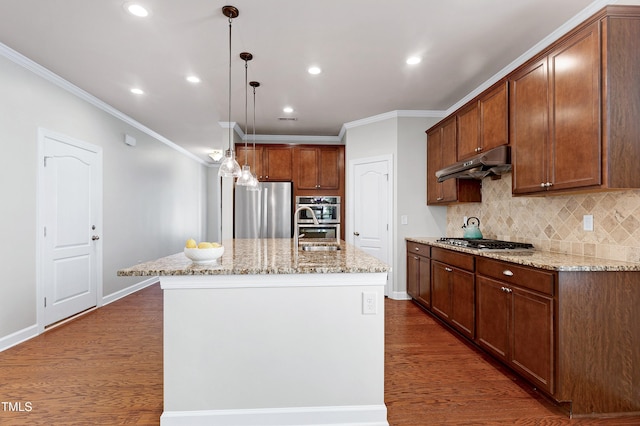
(296, 235)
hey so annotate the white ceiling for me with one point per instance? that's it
(361, 45)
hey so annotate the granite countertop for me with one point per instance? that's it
(264, 256)
(540, 259)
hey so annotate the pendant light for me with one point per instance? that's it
(245, 174)
(229, 166)
(254, 185)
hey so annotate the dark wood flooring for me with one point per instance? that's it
(105, 368)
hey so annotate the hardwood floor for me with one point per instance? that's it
(105, 368)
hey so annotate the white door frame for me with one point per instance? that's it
(40, 219)
(350, 209)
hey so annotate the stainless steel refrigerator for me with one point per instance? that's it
(263, 214)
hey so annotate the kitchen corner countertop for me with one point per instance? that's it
(264, 256)
(540, 259)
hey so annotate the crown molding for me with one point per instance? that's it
(55, 79)
(537, 48)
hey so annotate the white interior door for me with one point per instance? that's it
(372, 205)
(71, 205)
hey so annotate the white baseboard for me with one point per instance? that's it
(32, 331)
(399, 295)
(129, 290)
(18, 337)
(358, 415)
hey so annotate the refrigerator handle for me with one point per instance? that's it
(265, 212)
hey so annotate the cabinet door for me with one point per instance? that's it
(440, 289)
(574, 71)
(463, 302)
(424, 282)
(252, 157)
(529, 127)
(413, 275)
(307, 168)
(494, 118)
(434, 149)
(329, 168)
(532, 323)
(448, 188)
(468, 131)
(493, 305)
(278, 163)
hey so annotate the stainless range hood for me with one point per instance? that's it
(496, 161)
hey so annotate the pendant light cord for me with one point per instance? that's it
(229, 124)
(246, 92)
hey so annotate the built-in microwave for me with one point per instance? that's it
(326, 230)
(326, 209)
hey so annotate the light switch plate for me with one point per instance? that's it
(587, 222)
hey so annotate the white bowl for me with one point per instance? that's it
(204, 255)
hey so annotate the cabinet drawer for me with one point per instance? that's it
(453, 258)
(419, 249)
(533, 279)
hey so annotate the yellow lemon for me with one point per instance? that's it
(191, 243)
(204, 245)
(216, 245)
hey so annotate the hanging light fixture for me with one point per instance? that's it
(245, 174)
(229, 166)
(254, 185)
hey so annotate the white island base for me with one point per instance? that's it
(275, 349)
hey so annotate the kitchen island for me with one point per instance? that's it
(270, 334)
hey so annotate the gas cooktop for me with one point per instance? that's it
(485, 244)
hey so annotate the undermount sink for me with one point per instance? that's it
(319, 248)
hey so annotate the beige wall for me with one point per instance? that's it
(555, 223)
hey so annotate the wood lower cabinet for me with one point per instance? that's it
(515, 322)
(419, 273)
(453, 289)
(572, 334)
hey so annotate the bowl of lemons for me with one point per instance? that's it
(203, 252)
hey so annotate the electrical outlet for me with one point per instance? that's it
(369, 303)
(587, 222)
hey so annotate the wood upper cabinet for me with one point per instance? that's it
(251, 156)
(468, 137)
(483, 123)
(272, 162)
(555, 117)
(515, 318)
(318, 168)
(441, 152)
(419, 273)
(277, 163)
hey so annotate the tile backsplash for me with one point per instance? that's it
(555, 223)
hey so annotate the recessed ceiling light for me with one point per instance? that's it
(414, 60)
(314, 70)
(193, 79)
(137, 91)
(136, 10)
(287, 109)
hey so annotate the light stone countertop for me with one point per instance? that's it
(264, 256)
(540, 259)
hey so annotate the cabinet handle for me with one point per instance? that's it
(506, 289)
(417, 248)
(448, 269)
(546, 184)
(357, 234)
(507, 272)
(416, 257)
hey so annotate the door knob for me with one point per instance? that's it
(95, 237)
(357, 234)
